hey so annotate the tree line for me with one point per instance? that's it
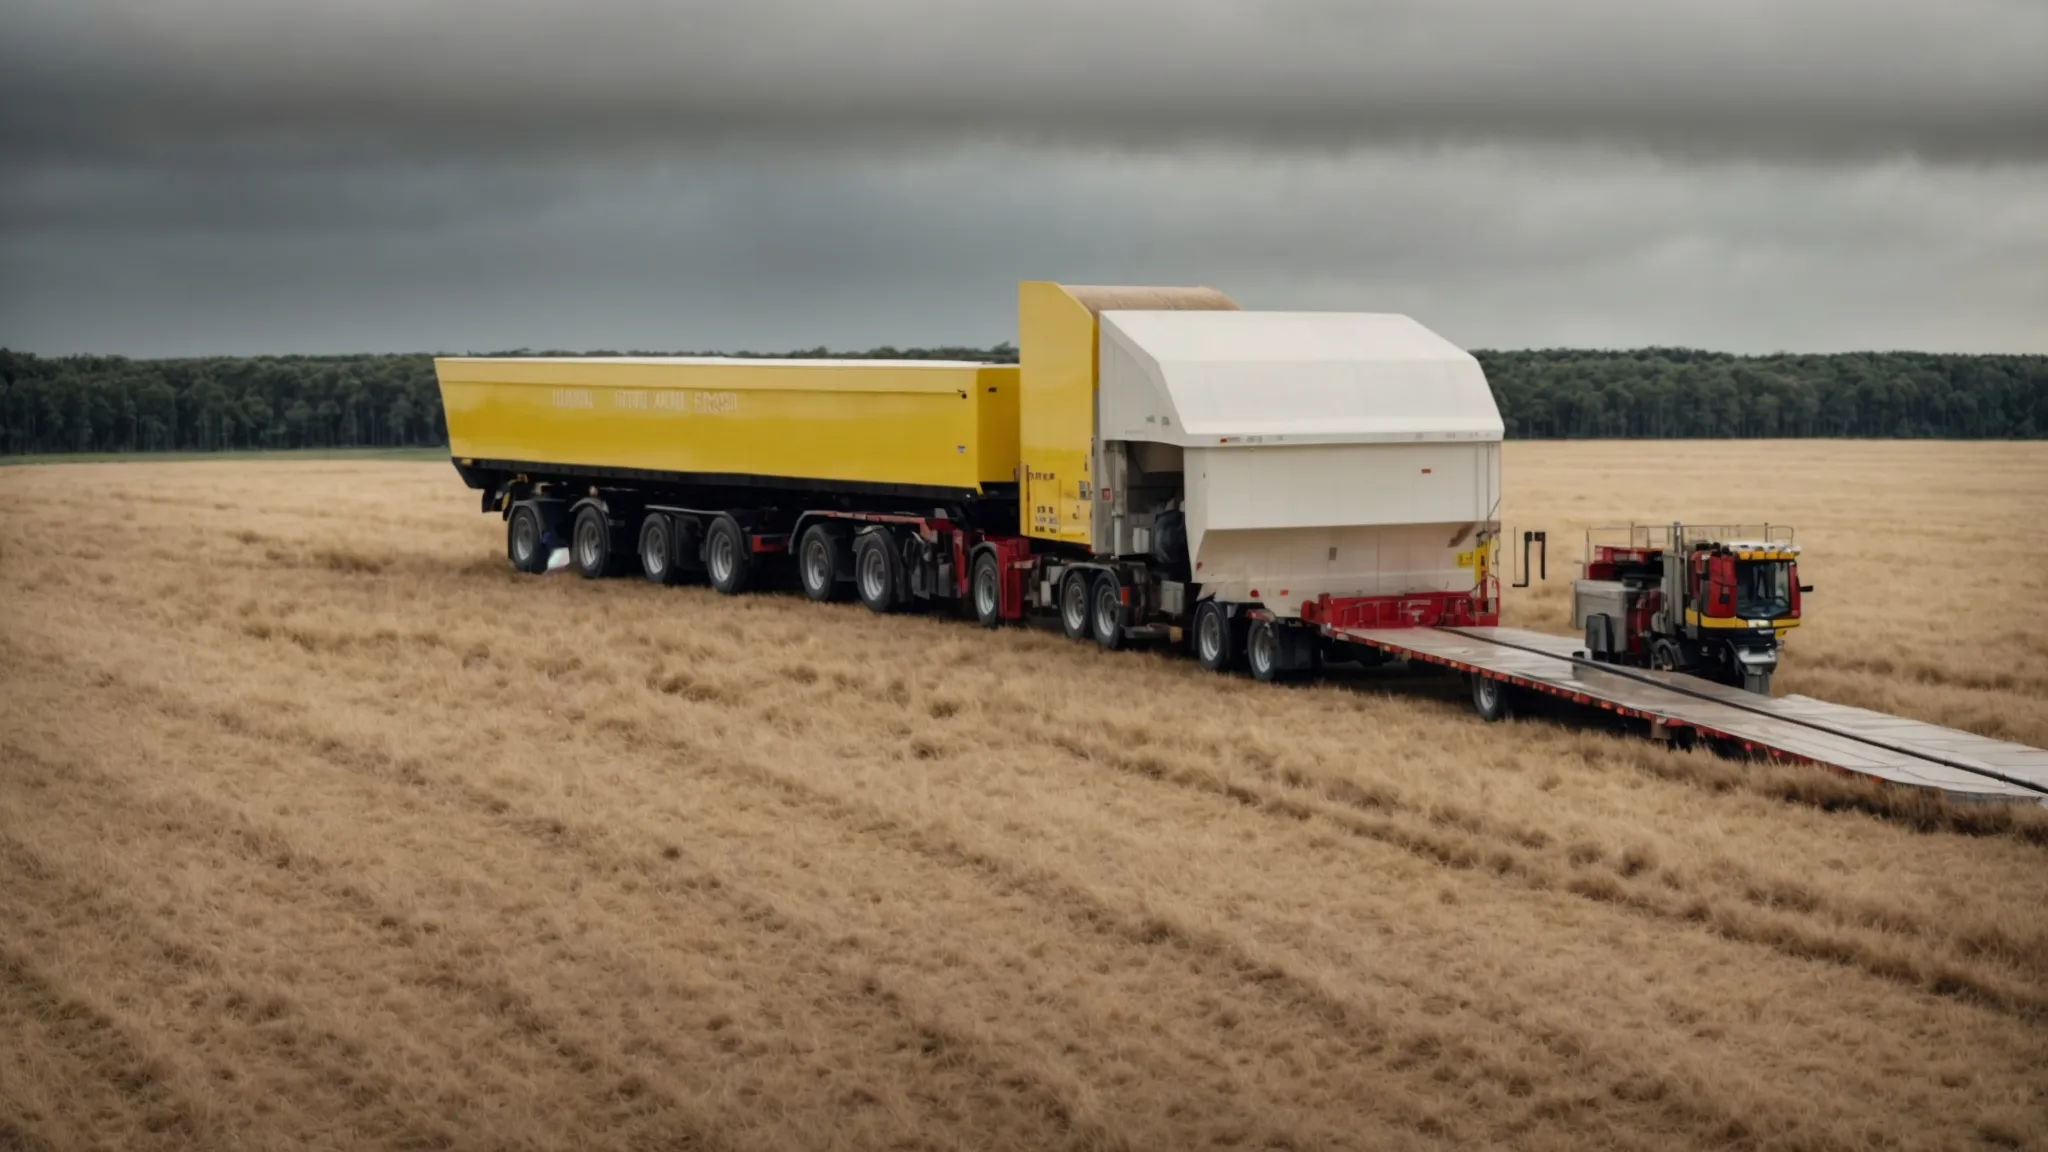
(116, 404)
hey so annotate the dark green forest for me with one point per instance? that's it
(114, 404)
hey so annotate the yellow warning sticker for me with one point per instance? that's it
(1465, 559)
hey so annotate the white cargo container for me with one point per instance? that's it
(1320, 453)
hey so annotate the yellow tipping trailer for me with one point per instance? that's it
(911, 428)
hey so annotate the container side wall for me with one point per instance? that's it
(878, 425)
(1280, 525)
(1282, 567)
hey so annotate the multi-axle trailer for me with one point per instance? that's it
(1159, 464)
(1278, 489)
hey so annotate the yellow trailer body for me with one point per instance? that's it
(943, 427)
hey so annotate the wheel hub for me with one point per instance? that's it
(985, 592)
(817, 564)
(873, 574)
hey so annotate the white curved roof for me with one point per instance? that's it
(1222, 378)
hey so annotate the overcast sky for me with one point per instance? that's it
(202, 176)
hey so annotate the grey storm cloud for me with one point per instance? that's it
(1786, 78)
(201, 176)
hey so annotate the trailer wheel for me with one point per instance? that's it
(726, 557)
(1216, 642)
(658, 549)
(1262, 652)
(817, 564)
(877, 570)
(986, 587)
(1489, 698)
(523, 540)
(591, 543)
(1074, 605)
(1666, 656)
(1108, 615)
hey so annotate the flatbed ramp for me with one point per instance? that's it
(1891, 748)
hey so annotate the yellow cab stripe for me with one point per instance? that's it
(1693, 617)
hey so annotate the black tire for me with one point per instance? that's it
(1215, 637)
(1489, 698)
(1262, 652)
(1077, 616)
(727, 559)
(817, 564)
(590, 543)
(658, 549)
(1106, 614)
(878, 570)
(985, 590)
(1664, 654)
(525, 540)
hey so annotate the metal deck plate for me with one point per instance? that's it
(1782, 724)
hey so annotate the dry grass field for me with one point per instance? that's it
(319, 829)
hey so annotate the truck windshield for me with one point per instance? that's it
(1763, 588)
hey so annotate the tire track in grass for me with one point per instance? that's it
(1991, 961)
(175, 990)
(1989, 964)
(1745, 911)
(351, 1061)
(70, 1074)
(618, 1077)
(1791, 1110)
(891, 976)
(1422, 1063)
(1425, 1049)
(1566, 1039)
(1646, 1110)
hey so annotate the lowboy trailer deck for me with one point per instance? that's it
(1501, 663)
